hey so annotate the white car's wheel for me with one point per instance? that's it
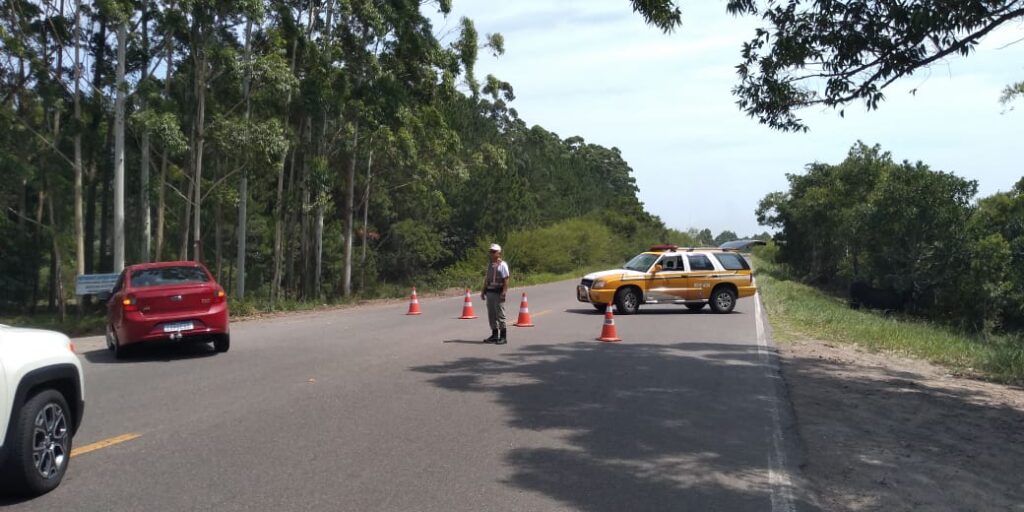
(40, 445)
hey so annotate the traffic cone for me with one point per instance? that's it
(414, 303)
(467, 308)
(608, 331)
(524, 314)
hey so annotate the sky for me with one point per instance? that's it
(593, 68)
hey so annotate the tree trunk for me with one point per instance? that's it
(122, 41)
(108, 196)
(197, 179)
(185, 223)
(289, 221)
(94, 261)
(350, 184)
(57, 276)
(319, 249)
(218, 220)
(305, 218)
(243, 200)
(243, 183)
(162, 183)
(144, 209)
(90, 221)
(366, 221)
(77, 141)
(278, 233)
(161, 186)
(36, 242)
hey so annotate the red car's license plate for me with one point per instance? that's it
(178, 326)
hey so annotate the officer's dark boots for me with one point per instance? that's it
(502, 337)
(493, 338)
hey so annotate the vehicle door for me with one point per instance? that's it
(668, 283)
(700, 278)
(115, 311)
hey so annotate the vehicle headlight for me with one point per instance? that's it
(599, 284)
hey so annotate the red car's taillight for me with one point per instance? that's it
(219, 296)
(130, 304)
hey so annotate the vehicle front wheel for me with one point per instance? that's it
(40, 446)
(723, 300)
(627, 301)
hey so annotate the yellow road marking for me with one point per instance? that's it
(99, 445)
(542, 313)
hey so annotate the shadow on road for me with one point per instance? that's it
(467, 342)
(155, 352)
(643, 426)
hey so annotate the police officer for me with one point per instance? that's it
(495, 288)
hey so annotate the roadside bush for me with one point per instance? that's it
(906, 227)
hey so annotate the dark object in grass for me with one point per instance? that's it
(888, 299)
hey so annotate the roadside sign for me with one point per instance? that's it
(92, 284)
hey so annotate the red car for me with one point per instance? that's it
(176, 301)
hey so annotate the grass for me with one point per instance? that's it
(92, 322)
(798, 311)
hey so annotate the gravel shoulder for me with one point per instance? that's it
(886, 433)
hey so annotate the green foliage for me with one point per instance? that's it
(164, 129)
(799, 311)
(562, 247)
(353, 109)
(1011, 93)
(906, 227)
(661, 13)
(416, 246)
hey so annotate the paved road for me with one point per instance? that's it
(367, 409)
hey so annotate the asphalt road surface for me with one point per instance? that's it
(368, 409)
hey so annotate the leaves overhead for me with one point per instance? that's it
(836, 53)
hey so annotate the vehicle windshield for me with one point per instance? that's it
(641, 262)
(168, 276)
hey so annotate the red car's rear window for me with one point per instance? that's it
(168, 276)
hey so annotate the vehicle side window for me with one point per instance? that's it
(700, 262)
(119, 284)
(672, 263)
(732, 261)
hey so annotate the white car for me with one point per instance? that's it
(42, 398)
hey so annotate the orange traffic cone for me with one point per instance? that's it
(414, 304)
(467, 308)
(608, 331)
(524, 314)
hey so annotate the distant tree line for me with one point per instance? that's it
(904, 226)
(301, 149)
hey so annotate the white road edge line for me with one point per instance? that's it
(778, 477)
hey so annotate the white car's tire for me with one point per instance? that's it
(40, 448)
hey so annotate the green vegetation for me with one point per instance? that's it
(905, 227)
(800, 311)
(306, 152)
(71, 325)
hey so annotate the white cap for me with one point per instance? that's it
(495, 247)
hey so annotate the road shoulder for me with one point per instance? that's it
(882, 432)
